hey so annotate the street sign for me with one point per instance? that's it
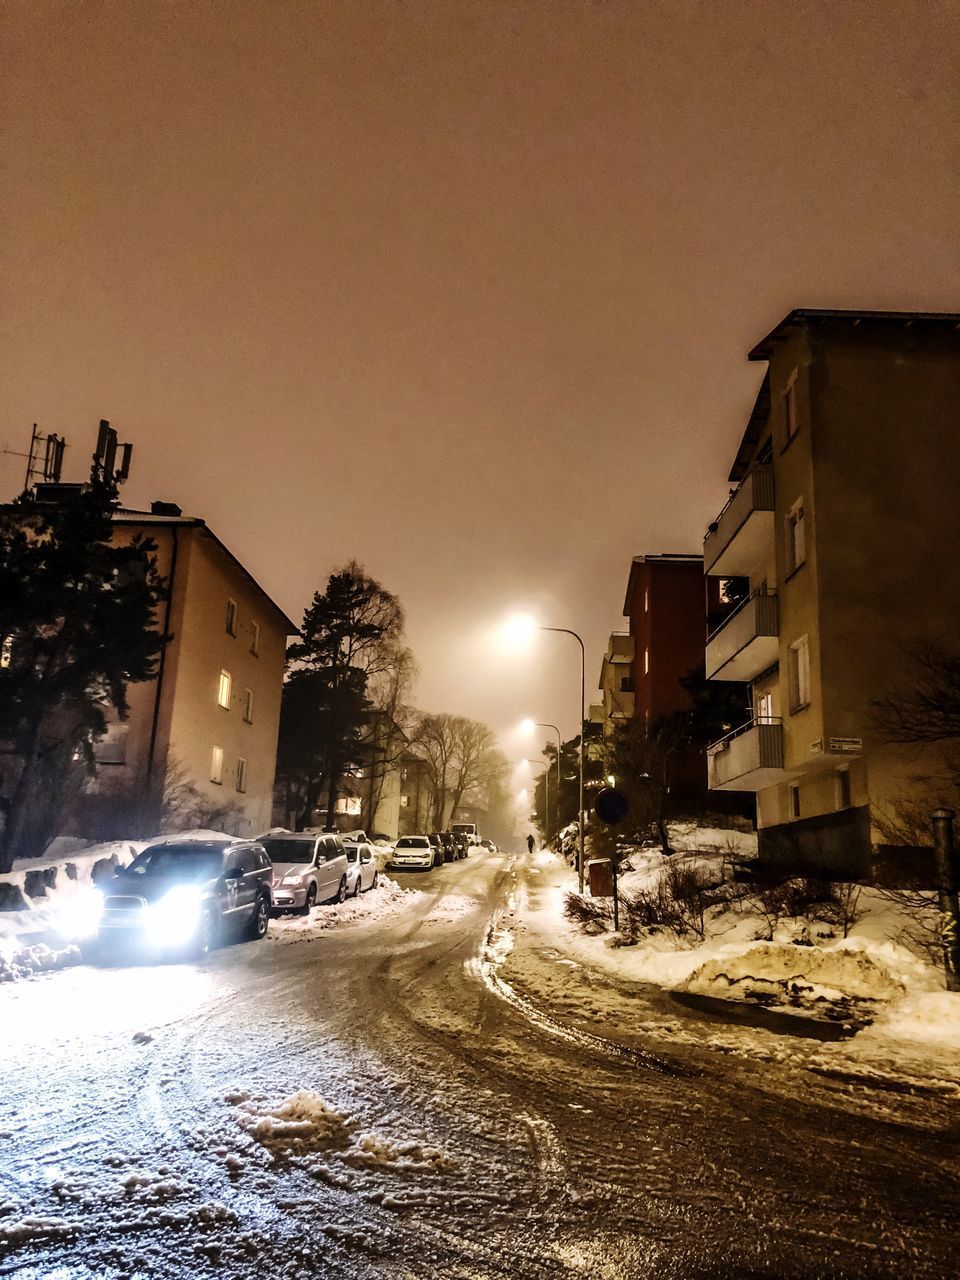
(611, 806)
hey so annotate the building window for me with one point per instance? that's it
(6, 652)
(231, 617)
(349, 805)
(248, 706)
(223, 692)
(646, 599)
(791, 413)
(799, 674)
(626, 684)
(216, 765)
(796, 540)
(241, 774)
(404, 802)
(646, 662)
(764, 713)
(794, 801)
(844, 800)
(255, 639)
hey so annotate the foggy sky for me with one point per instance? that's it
(461, 290)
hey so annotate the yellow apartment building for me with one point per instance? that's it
(213, 712)
(844, 519)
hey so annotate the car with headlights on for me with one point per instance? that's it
(181, 897)
(308, 867)
(414, 853)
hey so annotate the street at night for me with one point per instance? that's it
(444, 1119)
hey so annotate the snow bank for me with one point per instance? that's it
(375, 906)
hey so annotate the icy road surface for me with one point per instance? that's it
(393, 1099)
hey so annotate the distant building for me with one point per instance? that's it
(415, 800)
(844, 521)
(666, 606)
(616, 704)
(211, 716)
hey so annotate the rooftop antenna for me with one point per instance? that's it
(44, 460)
(105, 459)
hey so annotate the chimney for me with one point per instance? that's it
(165, 509)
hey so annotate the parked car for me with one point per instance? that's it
(414, 853)
(451, 847)
(468, 829)
(362, 872)
(308, 867)
(182, 897)
(436, 839)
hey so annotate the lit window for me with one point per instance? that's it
(404, 802)
(795, 801)
(646, 599)
(216, 765)
(241, 774)
(255, 638)
(646, 661)
(231, 617)
(764, 708)
(223, 693)
(796, 539)
(248, 707)
(791, 415)
(799, 674)
(349, 805)
(843, 789)
(6, 652)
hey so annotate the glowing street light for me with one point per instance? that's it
(519, 631)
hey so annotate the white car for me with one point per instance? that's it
(362, 873)
(307, 868)
(414, 853)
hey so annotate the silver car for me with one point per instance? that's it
(362, 873)
(307, 868)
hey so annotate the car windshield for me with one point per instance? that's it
(191, 861)
(289, 852)
(413, 842)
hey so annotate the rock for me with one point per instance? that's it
(103, 869)
(71, 869)
(11, 897)
(34, 884)
(49, 877)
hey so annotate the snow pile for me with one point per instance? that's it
(17, 961)
(301, 1122)
(373, 907)
(306, 1123)
(17, 1233)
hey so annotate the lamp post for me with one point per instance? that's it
(565, 631)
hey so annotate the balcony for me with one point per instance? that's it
(620, 647)
(749, 759)
(747, 641)
(740, 541)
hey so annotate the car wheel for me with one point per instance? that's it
(311, 901)
(207, 936)
(341, 893)
(376, 880)
(259, 921)
(356, 892)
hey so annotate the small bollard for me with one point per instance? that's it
(948, 877)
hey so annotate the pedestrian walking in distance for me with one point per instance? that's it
(530, 843)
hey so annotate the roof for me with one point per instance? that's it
(756, 425)
(129, 516)
(804, 316)
(664, 557)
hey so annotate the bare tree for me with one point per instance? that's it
(926, 707)
(460, 754)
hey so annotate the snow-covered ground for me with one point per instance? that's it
(879, 982)
(376, 906)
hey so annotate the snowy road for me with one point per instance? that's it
(396, 1099)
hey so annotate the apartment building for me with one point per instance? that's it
(844, 522)
(616, 704)
(211, 716)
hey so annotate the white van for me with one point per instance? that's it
(468, 829)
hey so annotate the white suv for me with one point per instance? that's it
(307, 869)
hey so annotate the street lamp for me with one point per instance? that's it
(519, 630)
(528, 726)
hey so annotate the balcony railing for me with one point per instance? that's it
(739, 541)
(748, 759)
(746, 642)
